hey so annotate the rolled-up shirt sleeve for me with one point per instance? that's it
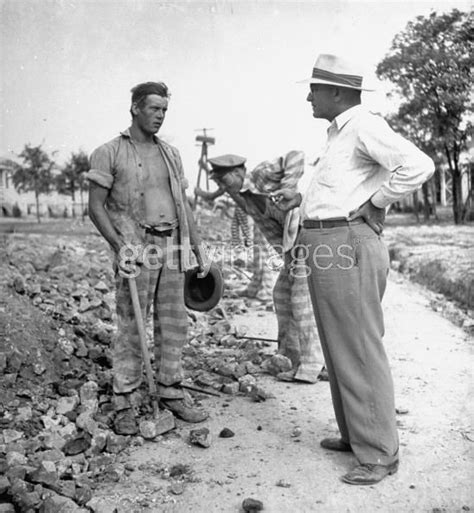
(102, 171)
(409, 167)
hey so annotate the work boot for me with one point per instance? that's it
(172, 392)
(125, 423)
(183, 411)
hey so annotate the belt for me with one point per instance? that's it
(330, 223)
(159, 233)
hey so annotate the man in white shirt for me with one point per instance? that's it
(364, 167)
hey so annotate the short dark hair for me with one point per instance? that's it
(141, 91)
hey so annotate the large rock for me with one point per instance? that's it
(201, 437)
(11, 435)
(56, 503)
(88, 394)
(83, 494)
(16, 458)
(67, 488)
(98, 463)
(45, 474)
(54, 455)
(24, 413)
(99, 441)
(101, 505)
(85, 422)
(4, 484)
(67, 404)
(77, 445)
(19, 284)
(24, 496)
(162, 423)
(116, 443)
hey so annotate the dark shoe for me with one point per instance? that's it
(335, 444)
(323, 375)
(369, 473)
(184, 412)
(125, 423)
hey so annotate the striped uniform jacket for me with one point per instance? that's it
(279, 228)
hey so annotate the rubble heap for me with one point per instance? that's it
(58, 441)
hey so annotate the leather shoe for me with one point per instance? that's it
(369, 473)
(184, 412)
(323, 375)
(335, 444)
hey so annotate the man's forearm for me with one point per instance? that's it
(194, 236)
(209, 196)
(101, 220)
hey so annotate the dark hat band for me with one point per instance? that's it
(340, 78)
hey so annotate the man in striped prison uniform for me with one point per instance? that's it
(261, 281)
(137, 202)
(240, 220)
(297, 333)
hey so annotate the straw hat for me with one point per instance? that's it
(337, 71)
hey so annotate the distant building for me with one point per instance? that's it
(52, 204)
(8, 194)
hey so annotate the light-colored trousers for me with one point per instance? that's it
(346, 291)
(297, 332)
(163, 288)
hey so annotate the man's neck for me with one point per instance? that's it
(343, 108)
(141, 137)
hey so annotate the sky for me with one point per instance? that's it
(67, 68)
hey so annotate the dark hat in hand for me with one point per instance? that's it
(203, 294)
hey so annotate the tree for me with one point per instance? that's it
(35, 174)
(430, 64)
(72, 177)
(419, 133)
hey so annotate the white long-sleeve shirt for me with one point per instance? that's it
(363, 158)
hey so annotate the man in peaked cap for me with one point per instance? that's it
(297, 335)
(261, 282)
(364, 167)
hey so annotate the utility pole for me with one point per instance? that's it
(205, 141)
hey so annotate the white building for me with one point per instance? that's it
(50, 205)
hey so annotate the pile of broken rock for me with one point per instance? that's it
(60, 435)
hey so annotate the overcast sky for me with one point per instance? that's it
(67, 68)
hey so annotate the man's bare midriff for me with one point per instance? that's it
(160, 207)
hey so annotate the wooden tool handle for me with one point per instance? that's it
(142, 335)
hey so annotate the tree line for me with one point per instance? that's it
(429, 65)
(39, 173)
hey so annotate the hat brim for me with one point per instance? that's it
(203, 294)
(337, 84)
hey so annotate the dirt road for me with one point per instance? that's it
(432, 367)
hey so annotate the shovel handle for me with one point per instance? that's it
(142, 336)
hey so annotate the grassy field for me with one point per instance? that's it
(438, 255)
